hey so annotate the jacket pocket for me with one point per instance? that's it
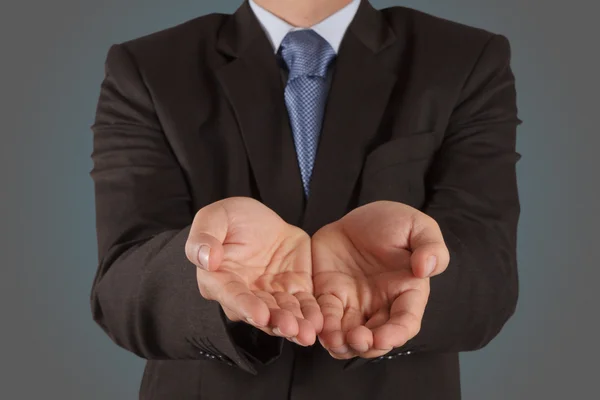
(399, 151)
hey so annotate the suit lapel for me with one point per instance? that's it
(252, 82)
(357, 99)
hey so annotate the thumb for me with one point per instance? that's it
(204, 246)
(430, 255)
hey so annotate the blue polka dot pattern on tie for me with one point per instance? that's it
(307, 56)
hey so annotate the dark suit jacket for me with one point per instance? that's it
(421, 111)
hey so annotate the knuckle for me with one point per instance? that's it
(286, 313)
(289, 306)
(281, 296)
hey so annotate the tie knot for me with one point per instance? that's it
(306, 53)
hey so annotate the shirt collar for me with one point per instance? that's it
(332, 28)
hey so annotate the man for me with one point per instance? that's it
(343, 180)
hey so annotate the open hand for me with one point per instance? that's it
(371, 274)
(257, 267)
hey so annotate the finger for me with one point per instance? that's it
(267, 298)
(352, 319)
(236, 296)
(346, 356)
(284, 323)
(430, 255)
(360, 339)
(311, 310)
(287, 301)
(204, 246)
(332, 337)
(272, 305)
(306, 333)
(379, 318)
(406, 315)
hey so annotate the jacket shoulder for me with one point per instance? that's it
(459, 48)
(436, 30)
(179, 38)
(176, 51)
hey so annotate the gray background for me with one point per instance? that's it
(51, 64)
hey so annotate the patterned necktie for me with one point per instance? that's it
(307, 56)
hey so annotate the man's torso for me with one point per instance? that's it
(218, 93)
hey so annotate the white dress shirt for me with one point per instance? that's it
(332, 28)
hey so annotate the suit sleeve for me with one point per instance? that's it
(473, 196)
(145, 295)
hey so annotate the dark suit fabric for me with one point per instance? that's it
(421, 111)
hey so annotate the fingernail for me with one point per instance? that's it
(253, 322)
(203, 256)
(340, 350)
(361, 348)
(295, 340)
(277, 332)
(430, 266)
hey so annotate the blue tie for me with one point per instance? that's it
(307, 56)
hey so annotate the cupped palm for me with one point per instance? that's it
(369, 277)
(259, 268)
